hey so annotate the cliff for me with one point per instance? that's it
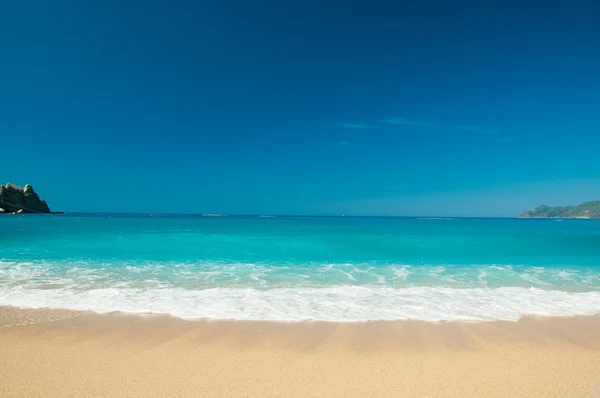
(14, 199)
(584, 210)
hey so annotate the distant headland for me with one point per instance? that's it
(584, 210)
(14, 199)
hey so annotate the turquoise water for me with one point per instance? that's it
(298, 268)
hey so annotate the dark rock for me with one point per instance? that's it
(14, 199)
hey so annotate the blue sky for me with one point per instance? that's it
(388, 108)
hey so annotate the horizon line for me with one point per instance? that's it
(267, 215)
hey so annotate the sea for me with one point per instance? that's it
(280, 268)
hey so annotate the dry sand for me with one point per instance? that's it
(79, 354)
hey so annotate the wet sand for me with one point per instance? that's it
(60, 353)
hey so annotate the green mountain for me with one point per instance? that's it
(584, 210)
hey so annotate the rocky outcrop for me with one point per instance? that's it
(14, 199)
(584, 210)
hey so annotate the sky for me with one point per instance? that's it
(465, 108)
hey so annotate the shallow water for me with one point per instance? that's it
(298, 268)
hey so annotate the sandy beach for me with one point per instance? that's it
(75, 354)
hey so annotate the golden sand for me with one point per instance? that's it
(77, 354)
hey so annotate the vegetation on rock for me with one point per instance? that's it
(584, 210)
(14, 199)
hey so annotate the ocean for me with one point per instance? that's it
(301, 268)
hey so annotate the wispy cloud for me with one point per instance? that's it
(478, 129)
(358, 126)
(494, 134)
(405, 122)
(494, 201)
(348, 144)
(469, 127)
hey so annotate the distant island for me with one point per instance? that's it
(584, 210)
(14, 199)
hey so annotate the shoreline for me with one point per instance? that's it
(80, 353)
(344, 303)
(12, 316)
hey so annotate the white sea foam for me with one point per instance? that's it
(567, 275)
(534, 277)
(262, 292)
(402, 273)
(481, 276)
(344, 303)
(349, 275)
